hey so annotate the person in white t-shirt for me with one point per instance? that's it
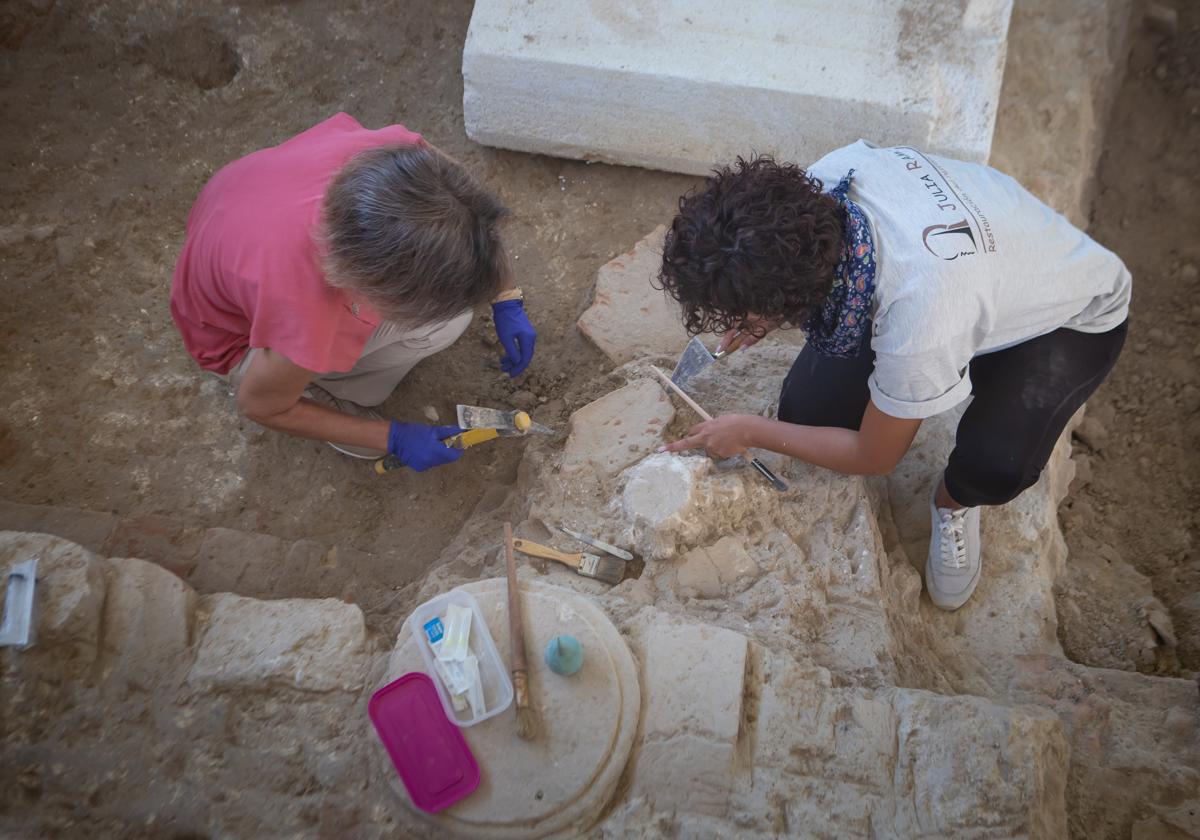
(920, 282)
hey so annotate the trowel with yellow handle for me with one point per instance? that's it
(481, 425)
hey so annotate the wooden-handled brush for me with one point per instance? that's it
(608, 569)
(526, 717)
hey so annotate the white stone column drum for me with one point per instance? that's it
(558, 784)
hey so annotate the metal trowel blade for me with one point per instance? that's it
(505, 422)
(476, 417)
(694, 359)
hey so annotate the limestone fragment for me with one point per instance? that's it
(629, 318)
(617, 430)
(724, 565)
(306, 644)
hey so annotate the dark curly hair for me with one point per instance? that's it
(760, 238)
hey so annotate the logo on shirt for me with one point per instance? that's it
(950, 241)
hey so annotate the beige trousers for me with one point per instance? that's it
(391, 352)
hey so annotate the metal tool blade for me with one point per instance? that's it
(766, 473)
(18, 629)
(695, 358)
(505, 422)
(475, 417)
(595, 543)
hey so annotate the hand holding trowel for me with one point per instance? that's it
(696, 357)
(480, 425)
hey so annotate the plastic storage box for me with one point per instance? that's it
(497, 686)
(428, 751)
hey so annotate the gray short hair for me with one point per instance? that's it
(412, 233)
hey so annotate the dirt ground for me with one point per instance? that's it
(113, 123)
(1142, 501)
(115, 116)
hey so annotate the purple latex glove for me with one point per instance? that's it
(420, 447)
(517, 336)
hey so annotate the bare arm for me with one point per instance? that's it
(271, 394)
(874, 449)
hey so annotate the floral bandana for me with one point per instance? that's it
(837, 328)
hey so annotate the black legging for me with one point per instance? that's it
(1023, 398)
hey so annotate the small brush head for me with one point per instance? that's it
(527, 724)
(608, 569)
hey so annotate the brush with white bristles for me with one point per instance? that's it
(526, 717)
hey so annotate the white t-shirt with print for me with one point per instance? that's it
(967, 262)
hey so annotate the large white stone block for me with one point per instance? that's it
(305, 644)
(683, 84)
(693, 679)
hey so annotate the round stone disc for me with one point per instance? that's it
(559, 782)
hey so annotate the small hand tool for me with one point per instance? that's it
(696, 357)
(18, 627)
(506, 423)
(608, 569)
(481, 425)
(595, 543)
(762, 468)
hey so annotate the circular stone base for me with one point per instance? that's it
(560, 782)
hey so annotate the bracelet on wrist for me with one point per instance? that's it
(510, 294)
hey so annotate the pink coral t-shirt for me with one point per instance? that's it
(250, 272)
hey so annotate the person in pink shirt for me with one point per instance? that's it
(315, 274)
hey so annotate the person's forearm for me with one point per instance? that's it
(307, 419)
(829, 447)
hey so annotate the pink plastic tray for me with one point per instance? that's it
(427, 749)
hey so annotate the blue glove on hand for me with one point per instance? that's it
(517, 336)
(420, 447)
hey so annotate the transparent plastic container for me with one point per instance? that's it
(497, 686)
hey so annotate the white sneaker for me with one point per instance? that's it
(322, 397)
(952, 567)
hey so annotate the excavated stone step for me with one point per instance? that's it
(214, 559)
